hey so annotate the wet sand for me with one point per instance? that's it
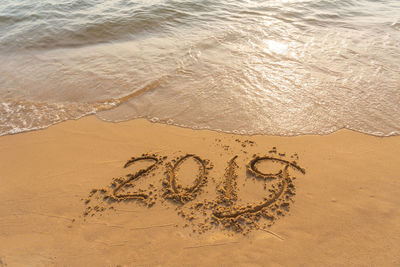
(196, 197)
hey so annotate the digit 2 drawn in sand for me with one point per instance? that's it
(115, 194)
(224, 210)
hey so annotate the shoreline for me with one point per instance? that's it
(40, 128)
(350, 188)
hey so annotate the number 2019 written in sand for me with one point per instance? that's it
(223, 210)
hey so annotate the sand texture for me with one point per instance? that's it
(92, 193)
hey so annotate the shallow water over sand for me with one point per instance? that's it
(266, 67)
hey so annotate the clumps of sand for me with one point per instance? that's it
(226, 213)
(227, 195)
(177, 192)
(253, 169)
(246, 217)
(118, 193)
(120, 188)
(227, 209)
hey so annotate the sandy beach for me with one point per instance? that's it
(67, 199)
(199, 133)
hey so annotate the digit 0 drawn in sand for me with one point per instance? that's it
(177, 192)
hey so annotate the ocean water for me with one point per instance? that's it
(279, 67)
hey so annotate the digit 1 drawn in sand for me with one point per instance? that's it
(132, 177)
(228, 194)
(179, 193)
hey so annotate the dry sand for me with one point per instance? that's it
(207, 209)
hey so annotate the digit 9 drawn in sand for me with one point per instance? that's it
(227, 209)
(278, 199)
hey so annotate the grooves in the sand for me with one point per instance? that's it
(184, 194)
(223, 211)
